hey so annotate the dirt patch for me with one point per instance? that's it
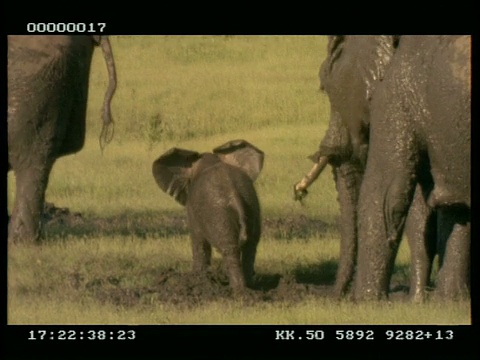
(63, 221)
(55, 216)
(191, 289)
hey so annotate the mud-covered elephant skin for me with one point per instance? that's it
(223, 210)
(354, 66)
(47, 99)
(420, 120)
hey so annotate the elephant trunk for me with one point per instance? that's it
(300, 188)
(107, 130)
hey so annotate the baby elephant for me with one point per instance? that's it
(222, 205)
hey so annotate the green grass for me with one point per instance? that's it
(312, 311)
(194, 92)
(181, 87)
(48, 291)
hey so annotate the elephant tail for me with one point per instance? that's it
(107, 129)
(242, 222)
(243, 233)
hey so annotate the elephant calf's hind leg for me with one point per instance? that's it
(231, 258)
(202, 254)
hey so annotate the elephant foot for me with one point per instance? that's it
(452, 290)
(452, 294)
(246, 297)
(370, 297)
(200, 268)
(18, 233)
(238, 285)
(343, 295)
(418, 291)
(369, 294)
(371, 289)
(418, 297)
(240, 292)
(340, 290)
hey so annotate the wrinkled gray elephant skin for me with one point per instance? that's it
(357, 77)
(354, 66)
(419, 134)
(222, 206)
(47, 99)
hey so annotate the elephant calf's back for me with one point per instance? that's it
(224, 203)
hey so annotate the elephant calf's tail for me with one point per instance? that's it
(243, 235)
(242, 222)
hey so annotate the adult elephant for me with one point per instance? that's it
(350, 75)
(420, 118)
(47, 99)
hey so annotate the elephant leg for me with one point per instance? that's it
(385, 196)
(383, 205)
(31, 183)
(201, 251)
(248, 261)
(454, 253)
(348, 180)
(249, 252)
(249, 248)
(232, 259)
(420, 229)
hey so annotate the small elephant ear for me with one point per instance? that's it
(243, 155)
(172, 172)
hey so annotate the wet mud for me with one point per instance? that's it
(192, 289)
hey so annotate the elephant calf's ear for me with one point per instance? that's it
(172, 172)
(242, 154)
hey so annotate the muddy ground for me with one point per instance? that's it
(191, 289)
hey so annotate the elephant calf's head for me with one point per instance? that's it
(174, 170)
